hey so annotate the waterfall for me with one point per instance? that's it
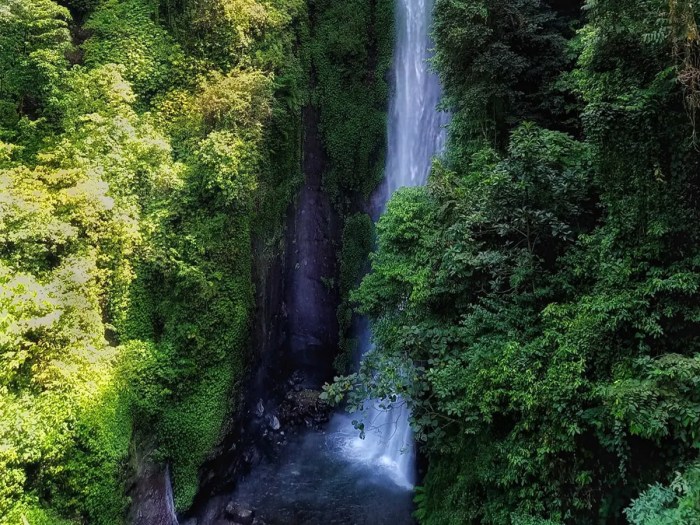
(335, 476)
(416, 132)
(415, 129)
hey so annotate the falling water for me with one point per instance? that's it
(415, 133)
(416, 129)
(336, 477)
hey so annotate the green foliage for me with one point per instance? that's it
(225, 34)
(125, 33)
(357, 243)
(192, 426)
(537, 302)
(499, 62)
(129, 185)
(351, 54)
(34, 39)
(66, 237)
(676, 504)
(228, 167)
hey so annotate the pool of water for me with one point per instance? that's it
(315, 482)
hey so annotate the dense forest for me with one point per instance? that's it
(536, 304)
(144, 146)
(141, 143)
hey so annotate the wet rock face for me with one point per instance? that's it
(295, 338)
(152, 497)
(230, 513)
(273, 422)
(260, 408)
(311, 297)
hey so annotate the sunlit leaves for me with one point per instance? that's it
(33, 41)
(229, 167)
(238, 101)
(124, 33)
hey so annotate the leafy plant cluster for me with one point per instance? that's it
(537, 302)
(137, 160)
(350, 49)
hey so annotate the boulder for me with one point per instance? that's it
(240, 514)
(260, 408)
(251, 455)
(304, 408)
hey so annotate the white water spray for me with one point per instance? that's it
(416, 132)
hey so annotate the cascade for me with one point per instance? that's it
(416, 132)
(416, 129)
(334, 476)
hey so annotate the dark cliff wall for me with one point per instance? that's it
(295, 335)
(152, 497)
(311, 296)
(295, 330)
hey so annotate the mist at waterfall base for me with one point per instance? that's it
(313, 482)
(337, 477)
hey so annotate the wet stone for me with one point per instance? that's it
(240, 514)
(273, 422)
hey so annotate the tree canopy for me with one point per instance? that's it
(536, 303)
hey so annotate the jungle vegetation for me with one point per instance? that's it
(537, 303)
(145, 147)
